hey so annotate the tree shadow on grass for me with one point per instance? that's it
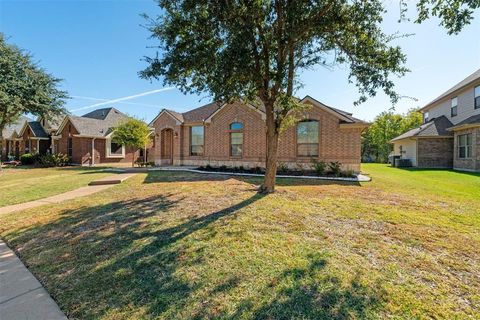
(308, 292)
(178, 176)
(120, 256)
(311, 293)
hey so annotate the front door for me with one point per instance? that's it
(166, 147)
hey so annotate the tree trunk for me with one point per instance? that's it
(268, 185)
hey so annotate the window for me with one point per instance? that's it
(69, 147)
(115, 150)
(453, 110)
(307, 139)
(197, 134)
(465, 146)
(425, 117)
(236, 139)
(476, 102)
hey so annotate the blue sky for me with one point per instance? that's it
(97, 47)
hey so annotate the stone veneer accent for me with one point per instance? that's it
(473, 163)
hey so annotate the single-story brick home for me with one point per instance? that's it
(450, 135)
(233, 134)
(87, 140)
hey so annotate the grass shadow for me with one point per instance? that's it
(120, 255)
(178, 176)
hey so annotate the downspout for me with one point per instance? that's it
(92, 162)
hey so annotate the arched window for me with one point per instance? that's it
(236, 126)
(236, 139)
(307, 138)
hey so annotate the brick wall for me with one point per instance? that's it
(82, 149)
(435, 153)
(335, 143)
(473, 163)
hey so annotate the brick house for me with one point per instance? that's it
(233, 134)
(450, 135)
(12, 142)
(79, 137)
(87, 140)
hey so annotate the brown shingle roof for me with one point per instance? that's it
(201, 113)
(98, 123)
(433, 128)
(14, 127)
(469, 121)
(204, 112)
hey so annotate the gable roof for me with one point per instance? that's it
(202, 113)
(17, 126)
(473, 120)
(436, 127)
(97, 124)
(37, 129)
(465, 82)
(54, 121)
(208, 110)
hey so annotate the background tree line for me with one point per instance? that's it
(387, 125)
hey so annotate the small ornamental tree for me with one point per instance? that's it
(132, 133)
(25, 88)
(255, 50)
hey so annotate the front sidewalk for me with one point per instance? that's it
(22, 296)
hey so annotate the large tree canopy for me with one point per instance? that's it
(387, 125)
(248, 49)
(25, 87)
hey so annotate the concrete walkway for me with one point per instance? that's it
(80, 192)
(22, 296)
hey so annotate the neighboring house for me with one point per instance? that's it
(77, 137)
(12, 143)
(219, 134)
(450, 135)
(87, 140)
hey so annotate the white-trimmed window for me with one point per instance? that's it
(197, 139)
(454, 107)
(114, 150)
(476, 101)
(425, 117)
(465, 146)
(236, 139)
(307, 138)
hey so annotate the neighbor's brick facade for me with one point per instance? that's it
(82, 149)
(435, 152)
(473, 163)
(336, 143)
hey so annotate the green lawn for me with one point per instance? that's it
(19, 185)
(187, 246)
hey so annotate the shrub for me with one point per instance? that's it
(300, 168)
(335, 168)
(52, 160)
(28, 158)
(319, 166)
(282, 167)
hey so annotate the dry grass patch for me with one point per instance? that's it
(187, 246)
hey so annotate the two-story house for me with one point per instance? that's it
(450, 134)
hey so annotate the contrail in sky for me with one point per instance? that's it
(124, 98)
(122, 102)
